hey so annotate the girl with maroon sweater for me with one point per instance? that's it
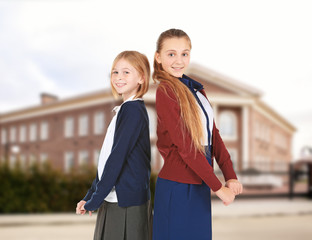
(188, 141)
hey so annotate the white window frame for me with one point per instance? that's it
(96, 155)
(69, 161)
(233, 116)
(43, 158)
(22, 133)
(3, 136)
(33, 132)
(44, 130)
(83, 158)
(69, 127)
(22, 161)
(13, 161)
(99, 123)
(32, 160)
(83, 125)
(13, 134)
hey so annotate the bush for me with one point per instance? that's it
(43, 189)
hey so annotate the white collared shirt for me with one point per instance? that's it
(107, 148)
(209, 112)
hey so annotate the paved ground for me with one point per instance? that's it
(283, 227)
(245, 219)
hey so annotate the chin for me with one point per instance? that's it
(178, 75)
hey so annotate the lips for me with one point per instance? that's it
(120, 84)
(177, 68)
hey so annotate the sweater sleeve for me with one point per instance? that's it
(168, 112)
(128, 125)
(90, 191)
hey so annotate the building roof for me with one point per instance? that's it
(82, 100)
(241, 93)
(77, 101)
(222, 80)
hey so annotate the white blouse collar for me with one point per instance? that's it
(117, 108)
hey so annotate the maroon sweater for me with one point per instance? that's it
(183, 163)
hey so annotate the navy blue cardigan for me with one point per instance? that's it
(128, 166)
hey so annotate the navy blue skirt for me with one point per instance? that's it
(182, 211)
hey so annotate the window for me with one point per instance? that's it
(22, 133)
(32, 160)
(33, 132)
(22, 161)
(13, 161)
(3, 136)
(99, 123)
(152, 121)
(69, 127)
(43, 158)
(69, 161)
(228, 125)
(83, 125)
(44, 131)
(280, 140)
(83, 158)
(233, 155)
(267, 134)
(96, 157)
(13, 134)
(262, 131)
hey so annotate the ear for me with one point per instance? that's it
(157, 57)
(142, 80)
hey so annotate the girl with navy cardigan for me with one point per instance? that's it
(188, 140)
(121, 188)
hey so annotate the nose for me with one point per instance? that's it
(179, 59)
(119, 76)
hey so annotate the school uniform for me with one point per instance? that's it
(182, 207)
(121, 188)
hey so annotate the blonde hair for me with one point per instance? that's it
(140, 62)
(189, 108)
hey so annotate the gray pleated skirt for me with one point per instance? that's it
(117, 223)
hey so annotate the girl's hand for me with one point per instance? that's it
(84, 210)
(226, 195)
(79, 207)
(235, 186)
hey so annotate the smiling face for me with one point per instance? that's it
(125, 79)
(174, 56)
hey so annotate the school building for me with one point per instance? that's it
(69, 132)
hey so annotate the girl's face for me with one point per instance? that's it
(174, 56)
(125, 79)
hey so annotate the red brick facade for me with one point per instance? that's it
(64, 132)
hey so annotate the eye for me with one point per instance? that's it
(185, 54)
(171, 54)
(126, 72)
(114, 72)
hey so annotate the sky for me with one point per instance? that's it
(66, 47)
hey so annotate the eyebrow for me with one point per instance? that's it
(122, 69)
(185, 50)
